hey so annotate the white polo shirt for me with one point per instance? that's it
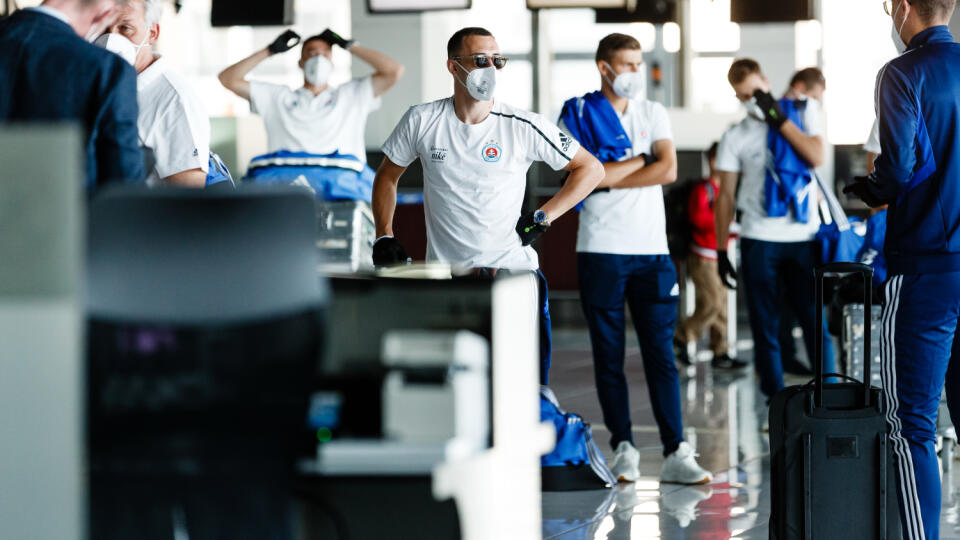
(743, 149)
(173, 125)
(629, 221)
(474, 178)
(331, 121)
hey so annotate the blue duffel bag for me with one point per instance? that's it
(332, 177)
(575, 462)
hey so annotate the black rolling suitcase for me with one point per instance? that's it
(831, 470)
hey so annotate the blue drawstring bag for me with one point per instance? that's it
(217, 173)
(837, 241)
(838, 245)
(332, 177)
(575, 463)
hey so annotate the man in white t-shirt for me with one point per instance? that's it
(622, 254)
(316, 118)
(778, 253)
(475, 153)
(173, 126)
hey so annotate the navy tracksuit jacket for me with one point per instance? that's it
(918, 175)
(50, 74)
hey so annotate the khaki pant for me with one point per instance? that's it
(711, 306)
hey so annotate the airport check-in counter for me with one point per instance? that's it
(427, 418)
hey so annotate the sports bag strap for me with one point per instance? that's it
(597, 462)
(833, 204)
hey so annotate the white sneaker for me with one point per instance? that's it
(626, 463)
(681, 468)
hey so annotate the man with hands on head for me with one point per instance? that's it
(475, 153)
(173, 126)
(777, 226)
(316, 118)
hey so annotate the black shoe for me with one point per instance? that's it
(796, 367)
(680, 352)
(723, 361)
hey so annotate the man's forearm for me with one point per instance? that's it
(380, 62)
(239, 71)
(581, 182)
(616, 171)
(810, 148)
(723, 210)
(657, 173)
(384, 205)
(193, 178)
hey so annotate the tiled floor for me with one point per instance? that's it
(723, 416)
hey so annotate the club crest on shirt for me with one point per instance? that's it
(491, 152)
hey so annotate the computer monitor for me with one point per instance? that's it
(205, 319)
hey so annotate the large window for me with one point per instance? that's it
(710, 27)
(714, 41)
(851, 60)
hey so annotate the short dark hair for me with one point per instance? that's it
(810, 77)
(741, 69)
(455, 43)
(928, 10)
(712, 151)
(613, 43)
(314, 38)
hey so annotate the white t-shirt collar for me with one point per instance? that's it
(53, 12)
(453, 110)
(152, 73)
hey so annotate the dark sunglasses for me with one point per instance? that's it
(482, 60)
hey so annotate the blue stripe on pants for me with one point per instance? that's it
(648, 283)
(919, 336)
(768, 269)
(546, 339)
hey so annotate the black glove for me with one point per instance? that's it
(334, 38)
(284, 42)
(860, 189)
(528, 229)
(772, 112)
(387, 252)
(725, 268)
(648, 159)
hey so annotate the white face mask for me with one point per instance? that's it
(629, 84)
(753, 109)
(317, 70)
(122, 46)
(480, 82)
(895, 33)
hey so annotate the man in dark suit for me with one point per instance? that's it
(50, 73)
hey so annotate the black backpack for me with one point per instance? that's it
(676, 201)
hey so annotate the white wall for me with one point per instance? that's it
(401, 37)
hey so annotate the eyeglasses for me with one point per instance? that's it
(888, 6)
(482, 60)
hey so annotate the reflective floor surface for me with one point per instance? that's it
(723, 418)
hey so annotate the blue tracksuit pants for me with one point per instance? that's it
(919, 337)
(648, 284)
(767, 269)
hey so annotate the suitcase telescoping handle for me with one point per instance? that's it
(834, 269)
